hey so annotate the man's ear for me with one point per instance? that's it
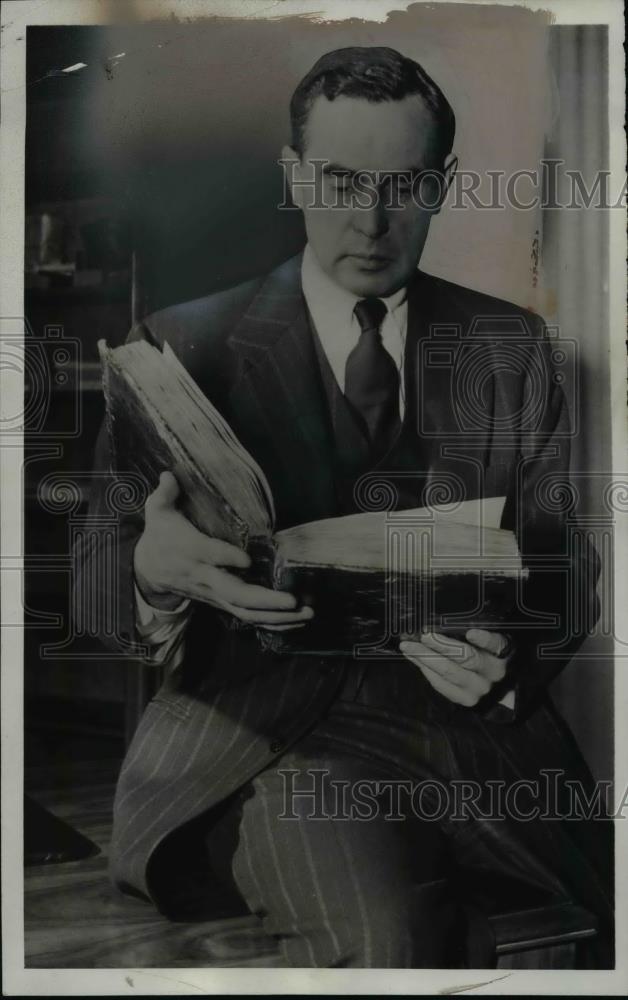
(449, 169)
(291, 163)
(448, 172)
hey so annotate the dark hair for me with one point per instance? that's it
(376, 74)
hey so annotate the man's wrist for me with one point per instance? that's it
(161, 600)
(148, 614)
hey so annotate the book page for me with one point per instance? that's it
(485, 512)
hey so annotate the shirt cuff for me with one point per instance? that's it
(162, 631)
(508, 700)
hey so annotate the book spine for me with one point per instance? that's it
(105, 361)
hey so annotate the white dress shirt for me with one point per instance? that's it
(332, 310)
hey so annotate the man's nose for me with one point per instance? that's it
(372, 221)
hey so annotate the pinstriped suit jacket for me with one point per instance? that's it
(232, 707)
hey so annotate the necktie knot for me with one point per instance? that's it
(370, 313)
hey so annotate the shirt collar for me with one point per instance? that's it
(319, 287)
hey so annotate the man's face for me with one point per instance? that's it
(370, 233)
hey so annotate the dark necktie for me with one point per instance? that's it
(372, 379)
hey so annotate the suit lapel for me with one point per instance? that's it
(455, 437)
(277, 405)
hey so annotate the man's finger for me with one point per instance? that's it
(199, 590)
(215, 552)
(283, 628)
(249, 596)
(166, 493)
(460, 696)
(448, 670)
(468, 656)
(456, 649)
(253, 616)
(420, 653)
(493, 642)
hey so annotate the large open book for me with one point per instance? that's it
(370, 577)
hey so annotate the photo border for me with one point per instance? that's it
(16, 16)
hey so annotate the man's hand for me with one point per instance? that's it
(463, 672)
(173, 560)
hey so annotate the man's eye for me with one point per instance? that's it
(397, 190)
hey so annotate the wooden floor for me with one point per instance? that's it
(75, 919)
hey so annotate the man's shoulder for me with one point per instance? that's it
(209, 317)
(194, 328)
(479, 312)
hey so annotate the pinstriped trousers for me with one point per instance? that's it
(399, 888)
(337, 892)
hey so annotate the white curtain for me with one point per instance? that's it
(575, 279)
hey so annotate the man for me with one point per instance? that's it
(318, 367)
